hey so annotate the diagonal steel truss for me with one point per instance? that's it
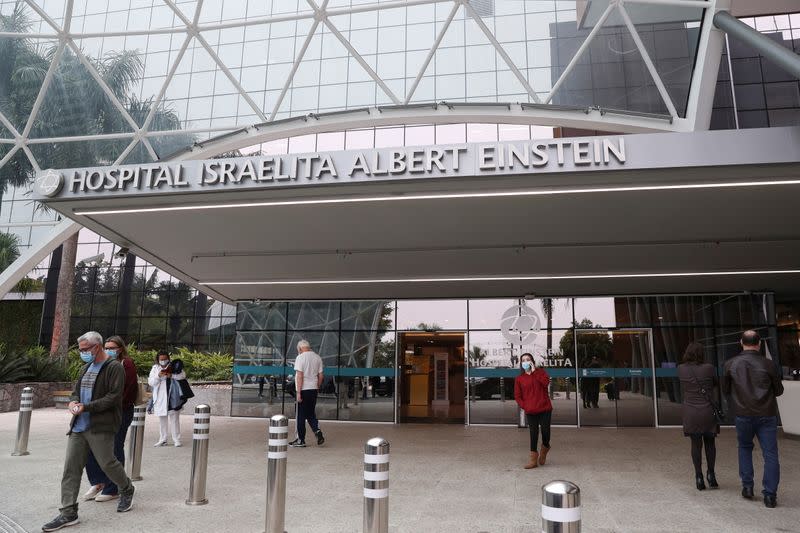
(697, 115)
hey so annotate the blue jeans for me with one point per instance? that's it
(94, 472)
(765, 428)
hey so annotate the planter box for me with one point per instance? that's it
(43, 394)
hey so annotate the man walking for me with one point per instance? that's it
(308, 379)
(753, 383)
(96, 407)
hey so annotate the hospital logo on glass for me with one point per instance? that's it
(49, 183)
(520, 324)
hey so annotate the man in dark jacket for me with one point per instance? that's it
(753, 382)
(96, 407)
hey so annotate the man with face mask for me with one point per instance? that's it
(96, 407)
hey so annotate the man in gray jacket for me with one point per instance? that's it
(96, 409)
(753, 383)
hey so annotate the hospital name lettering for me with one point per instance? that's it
(411, 162)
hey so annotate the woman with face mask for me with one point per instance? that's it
(102, 489)
(162, 379)
(530, 392)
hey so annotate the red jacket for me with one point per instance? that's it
(530, 392)
(131, 383)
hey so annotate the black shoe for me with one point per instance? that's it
(701, 485)
(125, 501)
(320, 437)
(712, 480)
(747, 493)
(297, 443)
(59, 522)
(770, 501)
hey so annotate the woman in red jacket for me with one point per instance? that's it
(530, 392)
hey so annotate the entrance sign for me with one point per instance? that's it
(380, 164)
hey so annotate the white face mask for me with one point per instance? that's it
(163, 363)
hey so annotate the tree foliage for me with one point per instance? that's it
(591, 344)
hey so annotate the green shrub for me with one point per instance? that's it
(13, 368)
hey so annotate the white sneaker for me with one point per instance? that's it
(93, 491)
(160, 443)
(106, 497)
(178, 444)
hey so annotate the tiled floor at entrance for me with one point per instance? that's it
(443, 479)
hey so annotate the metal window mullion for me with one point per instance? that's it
(9, 155)
(202, 40)
(432, 52)
(45, 84)
(163, 91)
(232, 78)
(382, 6)
(52, 23)
(9, 126)
(648, 62)
(500, 50)
(35, 163)
(103, 85)
(73, 138)
(17, 35)
(361, 61)
(127, 151)
(296, 64)
(675, 3)
(581, 50)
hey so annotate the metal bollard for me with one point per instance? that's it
(523, 420)
(502, 390)
(561, 507)
(276, 474)
(136, 443)
(24, 422)
(356, 390)
(376, 486)
(197, 478)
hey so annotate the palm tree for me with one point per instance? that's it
(74, 104)
(9, 249)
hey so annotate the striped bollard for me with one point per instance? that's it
(561, 507)
(136, 443)
(376, 486)
(197, 478)
(24, 423)
(276, 474)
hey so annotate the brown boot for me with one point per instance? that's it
(543, 455)
(534, 462)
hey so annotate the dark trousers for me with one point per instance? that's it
(94, 472)
(78, 447)
(534, 423)
(306, 413)
(765, 428)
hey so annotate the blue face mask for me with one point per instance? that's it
(527, 365)
(111, 353)
(87, 357)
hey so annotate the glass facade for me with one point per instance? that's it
(613, 361)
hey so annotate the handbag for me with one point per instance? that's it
(186, 389)
(719, 414)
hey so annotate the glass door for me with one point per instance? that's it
(615, 377)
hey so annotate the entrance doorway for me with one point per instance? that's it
(431, 377)
(615, 378)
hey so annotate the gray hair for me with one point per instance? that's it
(303, 344)
(92, 337)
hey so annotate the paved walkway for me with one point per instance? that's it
(443, 479)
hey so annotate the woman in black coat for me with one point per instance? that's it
(698, 381)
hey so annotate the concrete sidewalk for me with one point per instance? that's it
(443, 479)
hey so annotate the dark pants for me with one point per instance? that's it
(78, 447)
(765, 428)
(305, 412)
(698, 443)
(591, 392)
(94, 472)
(534, 422)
